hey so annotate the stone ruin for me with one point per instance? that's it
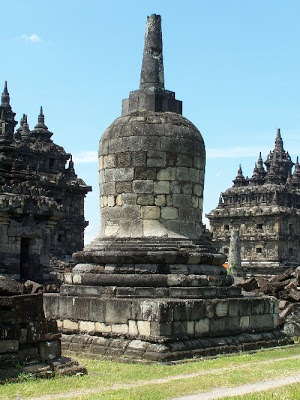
(286, 288)
(41, 200)
(29, 342)
(151, 286)
(265, 211)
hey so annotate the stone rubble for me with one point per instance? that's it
(29, 342)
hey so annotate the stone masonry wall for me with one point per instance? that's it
(151, 177)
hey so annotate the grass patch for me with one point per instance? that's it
(141, 379)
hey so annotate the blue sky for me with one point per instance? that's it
(234, 64)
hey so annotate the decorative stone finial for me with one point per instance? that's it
(41, 130)
(152, 95)
(278, 141)
(152, 73)
(5, 97)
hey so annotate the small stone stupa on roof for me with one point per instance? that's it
(151, 286)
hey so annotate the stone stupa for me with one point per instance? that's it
(151, 286)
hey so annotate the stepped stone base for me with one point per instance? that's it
(146, 351)
(164, 329)
(164, 301)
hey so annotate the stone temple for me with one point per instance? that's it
(151, 286)
(265, 212)
(41, 199)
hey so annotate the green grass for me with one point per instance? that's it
(222, 371)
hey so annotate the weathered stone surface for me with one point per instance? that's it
(9, 287)
(39, 195)
(160, 291)
(268, 223)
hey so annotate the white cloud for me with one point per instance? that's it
(33, 38)
(85, 157)
(236, 152)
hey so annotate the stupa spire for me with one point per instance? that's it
(5, 99)
(41, 117)
(152, 95)
(152, 73)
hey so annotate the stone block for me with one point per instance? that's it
(9, 346)
(245, 307)
(198, 189)
(169, 213)
(143, 328)
(109, 161)
(132, 143)
(108, 175)
(101, 327)
(137, 345)
(117, 311)
(119, 201)
(175, 187)
(257, 306)
(145, 199)
(162, 187)
(86, 326)
(150, 212)
(233, 308)
(261, 321)
(184, 160)
(8, 360)
(132, 328)
(199, 162)
(160, 200)
(124, 174)
(120, 329)
(194, 175)
(222, 309)
(166, 174)
(139, 158)
(144, 173)
(70, 325)
(217, 325)
(110, 201)
(123, 160)
(107, 188)
(202, 326)
(123, 187)
(49, 350)
(182, 174)
(182, 200)
(115, 145)
(245, 322)
(188, 146)
(143, 186)
(28, 355)
(190, 326)
(151, 143)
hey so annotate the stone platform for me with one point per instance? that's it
(137, 305)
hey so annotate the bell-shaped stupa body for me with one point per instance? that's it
(151, 160)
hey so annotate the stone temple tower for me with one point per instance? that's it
(151, 286)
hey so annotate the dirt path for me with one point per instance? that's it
(80, 392)
(218, 393)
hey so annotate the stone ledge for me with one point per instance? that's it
(145, 351)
